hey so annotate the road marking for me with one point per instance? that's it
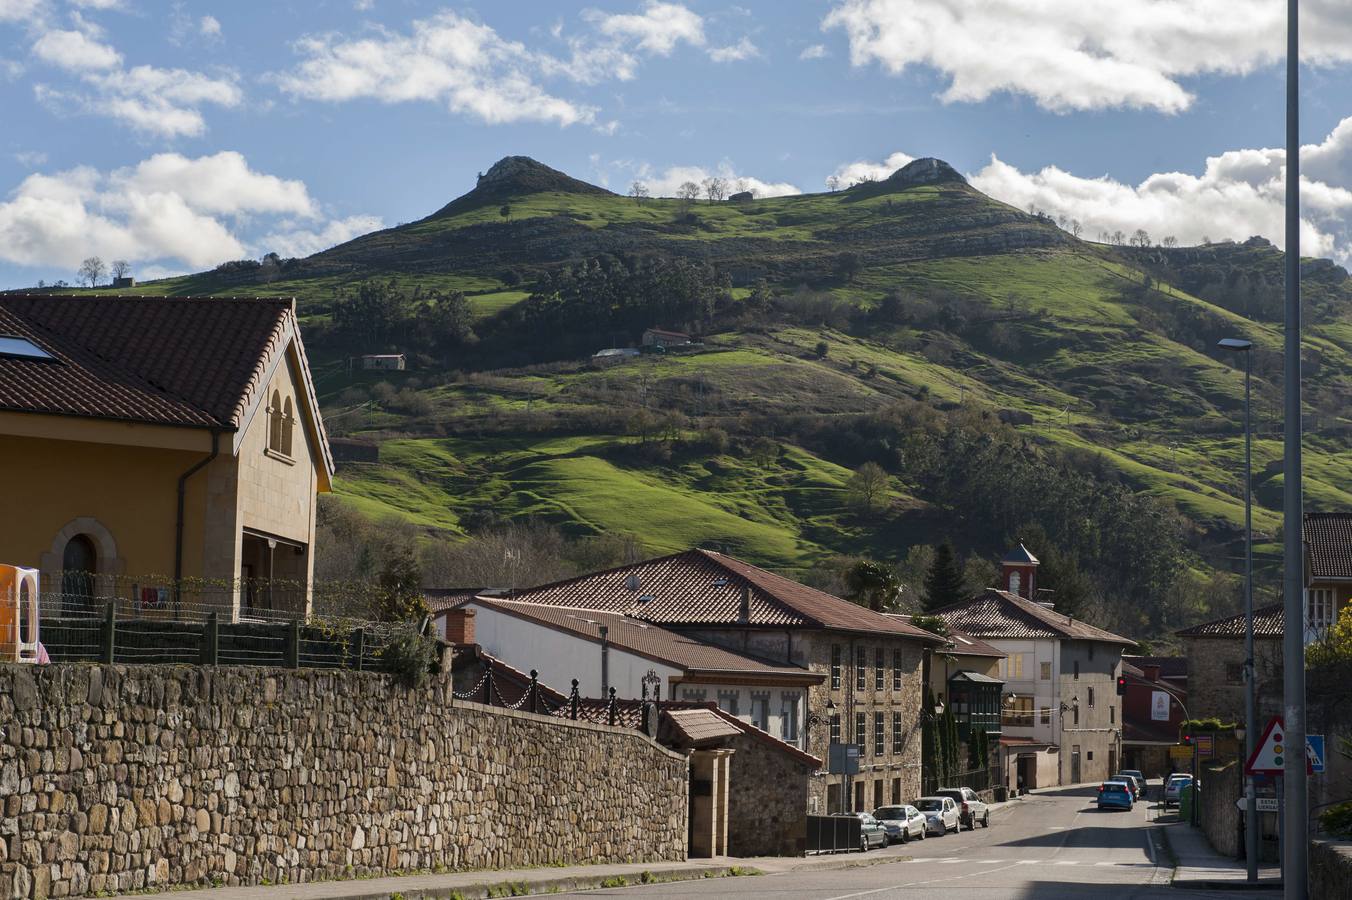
(946, 878)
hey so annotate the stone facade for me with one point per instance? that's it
(117, 779)
(1215, 677)
(1088, 680)
(767, 799)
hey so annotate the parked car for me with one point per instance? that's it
(941, 814)
(970, 807)
(1115, 795)
(871, 831)
(1131, 782)
(1173, 788)
(902, 822)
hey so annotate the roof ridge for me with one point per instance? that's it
(720, 560)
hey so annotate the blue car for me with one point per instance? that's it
(1115, 795)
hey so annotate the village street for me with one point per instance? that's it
(1040, 847)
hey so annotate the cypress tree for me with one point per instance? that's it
(944, 584)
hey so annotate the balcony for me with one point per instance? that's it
(976, 703)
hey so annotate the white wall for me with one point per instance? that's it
(783, 716)
(1045, 692)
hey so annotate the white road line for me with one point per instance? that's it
(893, 887)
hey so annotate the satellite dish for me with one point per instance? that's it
(633, 583)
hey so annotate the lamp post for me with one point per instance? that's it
(1250, 701)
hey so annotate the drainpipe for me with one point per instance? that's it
(605, 661)
(178, 524)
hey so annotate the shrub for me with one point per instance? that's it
(1337, 820)
(410, 656)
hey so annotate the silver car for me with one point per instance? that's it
(871, 831)
(902, 822)
(941, 814)
(1173, 788)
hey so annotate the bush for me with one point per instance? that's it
(1337, 820)
(410, 656)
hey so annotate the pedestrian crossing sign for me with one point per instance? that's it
(1269, 756)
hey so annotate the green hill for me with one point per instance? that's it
(894, 322)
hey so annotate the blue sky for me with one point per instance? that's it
(178, 135)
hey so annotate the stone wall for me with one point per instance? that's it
(1330, 870)
(767, 799)
(120, 778)
(1214, 684)
(1217, 814)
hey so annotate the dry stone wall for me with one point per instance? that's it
(116, 778)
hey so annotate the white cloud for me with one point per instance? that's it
(816, 51)
(658, 29)
(21, 10)
(303, 242)
(209, 27)
(1073, 55)
(97, 4)
(30, 159)
(737, 52)
(75, 51)
(446, 58)
(668, 181)
(867, 170)
(163, 102)
(169, 209)
(1239, 193)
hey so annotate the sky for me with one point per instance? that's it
(179, 135)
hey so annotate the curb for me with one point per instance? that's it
(1209, 884)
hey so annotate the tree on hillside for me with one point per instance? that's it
(847, 266)
(873, 585)
(944, 585)
(1076, 228)
(1118, 237)
(400, 597)
(1169, 242)
(687, 194)
(867, 489)
(833, 183)
(91, 271)
(715, 188)
(120, 268)
(639, 191)
(1140, 238)
(506, 211)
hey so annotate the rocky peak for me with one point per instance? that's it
(925, 171)
(516, 176)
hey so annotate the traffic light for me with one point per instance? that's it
(1187, 740)
(1121, 685)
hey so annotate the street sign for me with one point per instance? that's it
(1314, 752)
(843, 759)
(1180, 752)
(1206, 745)
(1265, 804)
(1269, 756)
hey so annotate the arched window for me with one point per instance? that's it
(79, 562)
(288, 420)
(275, 422)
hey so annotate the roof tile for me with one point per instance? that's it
(1267, 623)
(1329, 539)
(1000, 614)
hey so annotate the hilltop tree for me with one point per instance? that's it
(91, 271)
(120, 268)
(1118, 237)
(867, 488)
(1076, 228)
(715, 188)
(1169, 242)
(833, 183)
(506, 211)
(687, 194)
(1140, 238)
(944, 584)
(639, 191)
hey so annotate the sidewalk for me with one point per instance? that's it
(522, 882)
(1199, 866)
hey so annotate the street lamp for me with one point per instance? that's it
(1239, 345)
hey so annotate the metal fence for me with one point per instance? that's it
(834, 834)
(976, 779)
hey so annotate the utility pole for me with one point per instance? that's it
(1295, 869)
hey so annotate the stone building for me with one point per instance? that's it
(1215, 652)
(1060, 721)
(869, 664)
(150, 441)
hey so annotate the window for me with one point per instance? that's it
(1045, 671)
(281, 418)
(22, 348)
(897, 736)
(860, 668)
(1075, 711)
(288, 420)
(788, 717)
(1112, 715)
(879, 749)
(896, 670)
(79, 562)
(861, 732)
(835, 728)
(1019, 713)
(1077, 668)
(835, 667)
(879, 676)
(1234, 673)
(1089, 756)
(760, 711)
(896, 791)
(728, 701)
(1045, 715)
(877, 793)
(1319, 608)
(1016, 666)
(1091, 697)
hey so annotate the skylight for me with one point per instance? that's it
(22, 348)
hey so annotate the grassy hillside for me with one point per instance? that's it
(829, 308)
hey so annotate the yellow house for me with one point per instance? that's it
(160, 451)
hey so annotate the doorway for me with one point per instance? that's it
(79, 562)
(1075, 764)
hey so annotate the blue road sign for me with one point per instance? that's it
(1314, 751)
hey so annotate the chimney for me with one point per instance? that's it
(744, 611)
(1152, 673)
(460, 625)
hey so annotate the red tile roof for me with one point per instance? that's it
(1267, 623)
(701, 587)
(959, 644)
(1328, 542)
(649, 640)
(182, 361)
(1170, 666)
(1000, 614)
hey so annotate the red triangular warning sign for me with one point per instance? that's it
(1269, 754)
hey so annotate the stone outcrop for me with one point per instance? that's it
(117, 778)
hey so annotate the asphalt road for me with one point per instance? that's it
(1041, 847)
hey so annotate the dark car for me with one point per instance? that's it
(872, 833)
